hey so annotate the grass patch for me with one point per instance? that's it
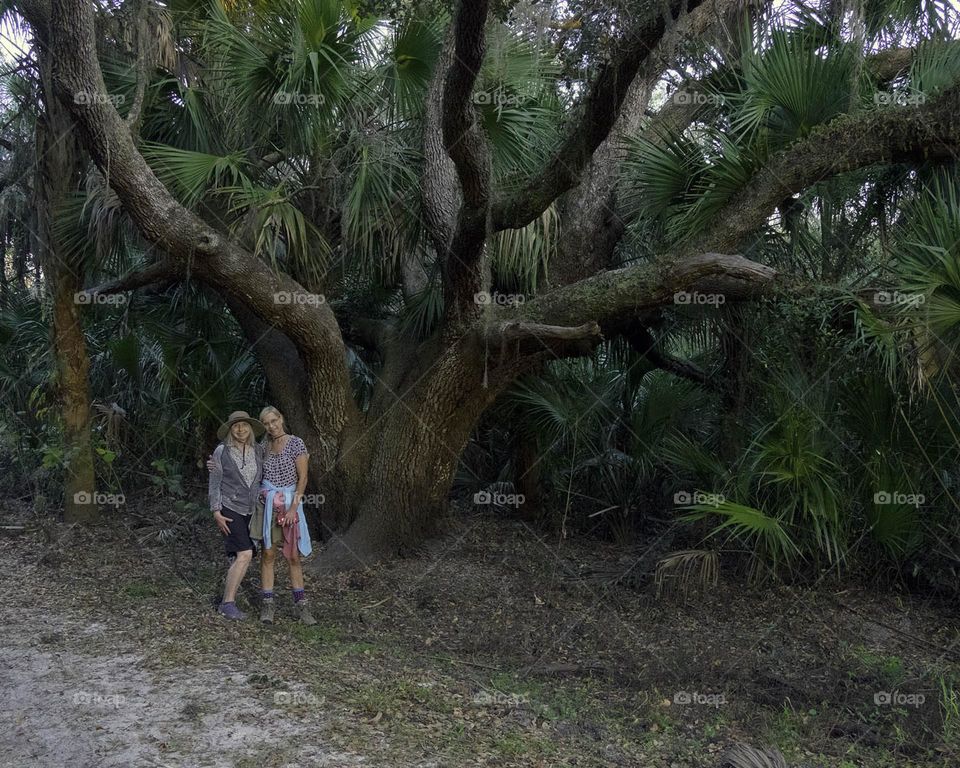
(888, 669)
(318, 634)
(139, 590)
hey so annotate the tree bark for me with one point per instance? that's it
(58, 174)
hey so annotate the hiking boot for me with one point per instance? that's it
(266, 611)
(302, 612)
(230, 611)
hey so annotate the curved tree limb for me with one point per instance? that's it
(521, 337)
(440, 187)
(642, 288)
(142, 49)
(590, 222)
(159, 272)
(930, 131)
(467, 146)
(36, 12)
(641, 340)
(218, 260)
(600, 110)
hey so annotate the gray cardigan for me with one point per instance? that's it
(227, 487)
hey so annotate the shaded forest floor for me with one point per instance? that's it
(491, 648)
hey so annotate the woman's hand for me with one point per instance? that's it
(294, 506)
(222, 523)
(211, 464)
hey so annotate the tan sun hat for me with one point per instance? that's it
(256, 426)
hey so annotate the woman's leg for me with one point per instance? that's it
(267, 561)
(299, 596)
(296, 571)
(239, 550)
(235, 575)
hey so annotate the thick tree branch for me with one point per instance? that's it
(462, 135)
(142, 46)
(641, 340)
(887, 64)
(591, 223)
(36, 12)
(467, 146)
(158, 272)
(440, 187)
(521, 337)
(600, 110)
(680, 111)
(217, 260)
(640, 289)
(367, 332)
(894, 134)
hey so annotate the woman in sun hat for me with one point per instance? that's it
(236, 469)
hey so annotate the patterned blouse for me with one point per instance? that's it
(281, 468)
(246, 462)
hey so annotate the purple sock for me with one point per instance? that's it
(299, 596)
(266, 594)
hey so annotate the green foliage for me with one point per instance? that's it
(766, 535)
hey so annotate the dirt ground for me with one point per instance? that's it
(496, 646)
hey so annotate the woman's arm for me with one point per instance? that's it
(213, 489)
(302, 461)
(215, 466)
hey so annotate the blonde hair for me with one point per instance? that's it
(271, 410)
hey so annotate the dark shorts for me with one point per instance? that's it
(238, 540)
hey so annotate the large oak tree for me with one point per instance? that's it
(386, 468)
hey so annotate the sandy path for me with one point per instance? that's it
(75, 692)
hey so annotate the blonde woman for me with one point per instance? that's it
(236, 468)
(279, 521)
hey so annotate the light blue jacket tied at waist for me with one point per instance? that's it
(272, 490)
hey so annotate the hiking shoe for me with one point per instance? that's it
(303, 614)
(266, 612)
(230, 611)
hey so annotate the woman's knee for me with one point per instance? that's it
(269, 555)
(245, 556)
